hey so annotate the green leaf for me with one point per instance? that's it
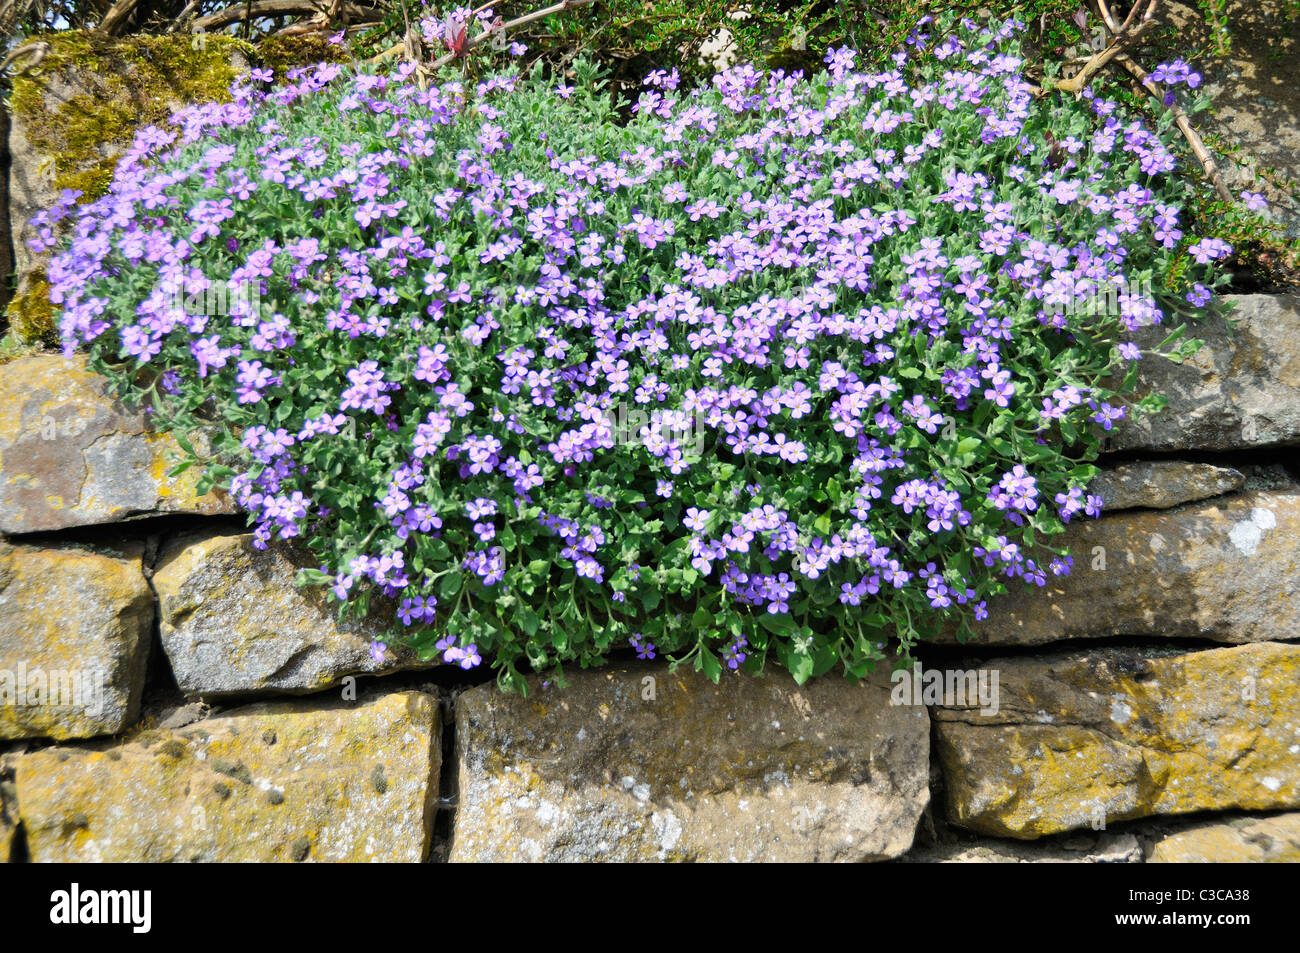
(311, 577)
(707, 662)
(450, 585)
(800, 666)
(778, 623)
(528, 619)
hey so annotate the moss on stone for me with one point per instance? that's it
(133, 82)
(81, 108)
(284, 53)
(30, 313)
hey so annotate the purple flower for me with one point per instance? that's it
(644, 649)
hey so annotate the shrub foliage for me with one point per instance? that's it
(780, 369)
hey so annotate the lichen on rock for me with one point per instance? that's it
(75, 631)
(232, 621)
(639, 763)
(1083, 740)
(285, 781)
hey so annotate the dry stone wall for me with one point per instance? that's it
(167, 694)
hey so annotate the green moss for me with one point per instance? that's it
(122, 85)
(30, 315)
(283, 53)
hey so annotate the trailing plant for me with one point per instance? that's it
(783, 369)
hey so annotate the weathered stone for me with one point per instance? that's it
(75, 630)
(72, 456)
(269, 782)
(642, 764)
(232, 622)
(1235, 392)
(1224, 570)
(1105, 849)
(1117, 734)
(1161, 484)
(1238, 840)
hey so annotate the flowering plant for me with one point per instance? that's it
(842, 313)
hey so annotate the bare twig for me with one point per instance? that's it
(1095, 64)
(35, 52)
(1107, 17)
(270, 8)
(487, 34)
(179, 22)
(1151, 10)
(1184, 124)
(117, 16)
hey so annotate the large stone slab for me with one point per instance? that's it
(285, 781)
(1224, 570)
(1161, 484)
(232, 622)
(1088, 739)
(638, 763)
(75, 632)
(72, 456)
(1236, 392)
(1238, 840)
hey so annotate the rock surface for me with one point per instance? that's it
(636, 763)
(72, 456)
(1237, 840)
(233, 623)
(75, 632)
(1161, 484)
(288, 781)
(1255, 99)
(1224, 570)
(1235, 392)
(1112, 735)
(1101, 849)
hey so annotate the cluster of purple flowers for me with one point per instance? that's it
(1174, 74)
(763, 263)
